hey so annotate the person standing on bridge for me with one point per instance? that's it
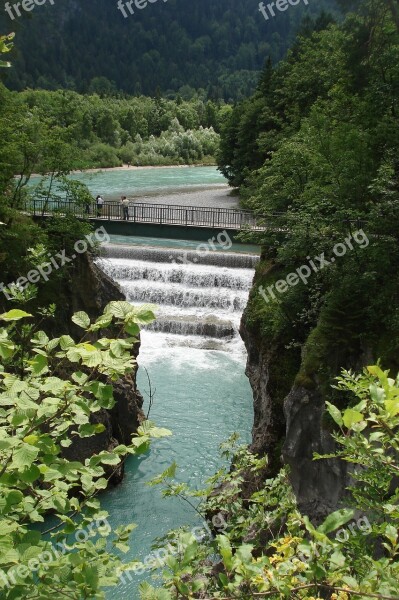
(100, 204)
(125, 207)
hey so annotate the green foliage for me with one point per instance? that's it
(50, 393)
(102, 156)
(314, 151)
(61, 131)
(211, 50)
(5, 46)
(374, 410)
(268, 549)
(174, 146)
(32, 142)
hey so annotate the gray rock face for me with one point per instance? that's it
(318, 485)
(269, 424)
(289, 429)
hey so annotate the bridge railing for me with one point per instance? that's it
(157, 214)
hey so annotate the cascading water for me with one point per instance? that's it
(175, 256)
(197, 293)
(195, 360)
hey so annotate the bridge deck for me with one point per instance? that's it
(156, 214)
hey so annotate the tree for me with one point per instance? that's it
(52, 391)
(102, 86)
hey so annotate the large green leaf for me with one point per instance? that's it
(6, 349)
(336, 520)
(14, 315)
(226, 551)
(351, 417)
(392, 407)
(101, 323)
(108, 458)
(144, 316)
(30, 474)
(39, 365)
(119, 309)
(92, 359)
(24, 456)
(335, 413)
(88, 430)
(377, 393)
(132, 328)
(148, 428)
(82, 319)
(13, 497)
(103, 393)
(91, 575)
(190, 545)
(66, 342)
(40, 339)
(147, 592)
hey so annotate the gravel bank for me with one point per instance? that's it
(217, 197)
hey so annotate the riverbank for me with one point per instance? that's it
(139, 168)
(217, 197)
(156, 184)
(130, 168)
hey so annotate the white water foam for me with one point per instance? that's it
(199, 305)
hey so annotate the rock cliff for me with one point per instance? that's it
(290, 427)
(290, 386)
(90, 290)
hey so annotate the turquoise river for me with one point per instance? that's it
(193, 355)
(146, 181)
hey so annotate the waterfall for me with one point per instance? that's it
(181, 256)
(200, 295)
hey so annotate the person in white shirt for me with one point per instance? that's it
(125, 207)
(100, 204)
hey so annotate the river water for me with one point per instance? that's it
(139, 182)
(195, 360)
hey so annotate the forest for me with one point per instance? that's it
(109, 132)
(313, 151)
(316, 149)
(215, 48)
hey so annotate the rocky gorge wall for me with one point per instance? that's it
(90, 289)
(290, 430)
(289, 412)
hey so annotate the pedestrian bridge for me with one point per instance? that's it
(162, 220)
